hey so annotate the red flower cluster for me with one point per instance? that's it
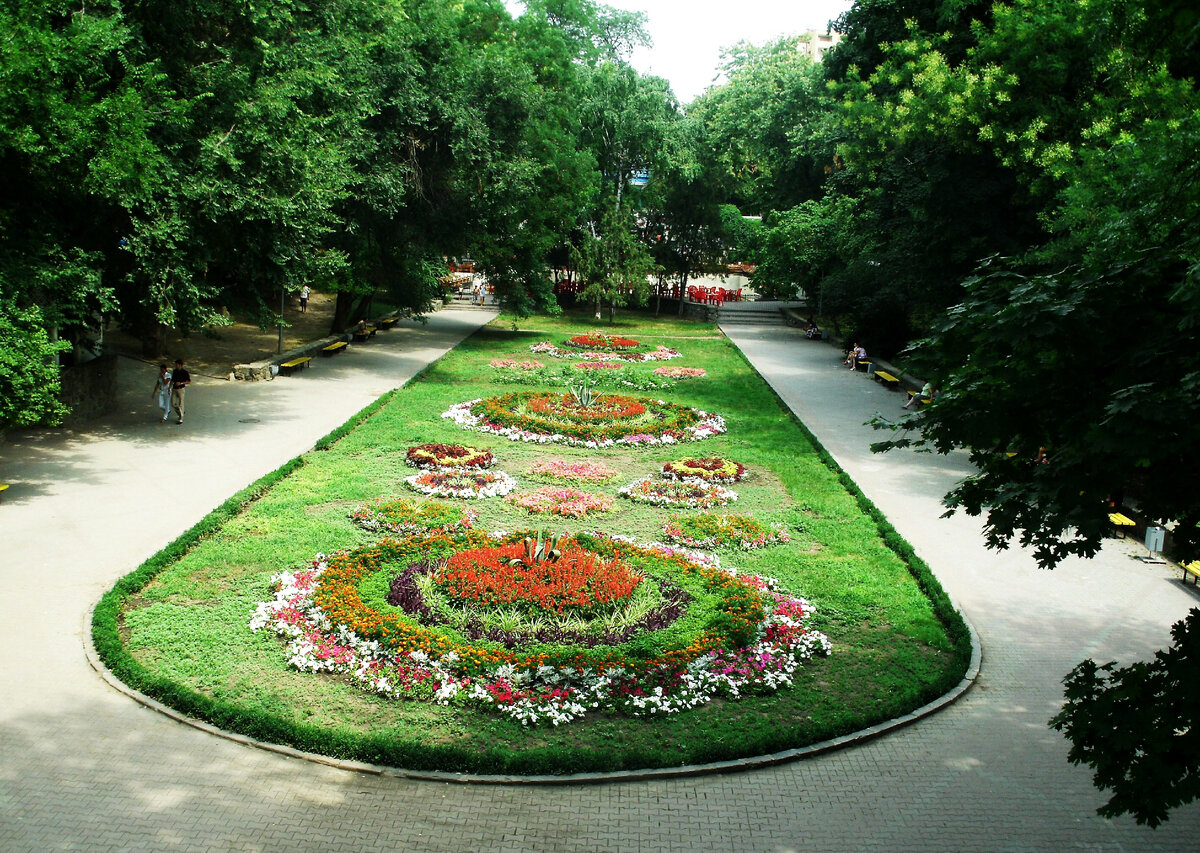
(577, 581)
(601, 341)
(607, 407)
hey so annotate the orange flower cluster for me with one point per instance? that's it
(601, 341)
(576, 581)
(606, 407)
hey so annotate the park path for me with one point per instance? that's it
(82, 767)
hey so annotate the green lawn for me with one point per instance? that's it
(177, 628)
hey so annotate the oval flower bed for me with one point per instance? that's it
(430, 457)
(747, 637)
(723, 531)
(710, 469)
(561, 500)
(601, 342)
(658, 353)
(462, 484)
(581, 471)
(546, 416)
(401, 516)
(690, 493)
(680, 372)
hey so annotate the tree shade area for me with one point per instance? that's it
(1001, 195)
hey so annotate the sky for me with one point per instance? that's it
(689, 34)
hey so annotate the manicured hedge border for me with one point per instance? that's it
(377, 749)
(943, 608)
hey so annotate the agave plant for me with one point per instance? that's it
(584, 393)
(539, 550)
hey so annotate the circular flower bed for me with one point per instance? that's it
(462, 484)
(723, 531)
(380, 616)
(546, 416)
(680, 372)
(431, 457)
(690, 493)
(561, 500)
(582, 471)
(710, 469)
(658, 353)
(402, 516)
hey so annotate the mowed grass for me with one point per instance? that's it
(891, 651)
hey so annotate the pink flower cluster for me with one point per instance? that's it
(598, 365)
(582, 471)
(513, 364)
(680, 372)
(561, 501)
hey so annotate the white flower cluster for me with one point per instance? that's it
(651, 490)
(709, 425)
(659, 353)
(544, 694)
(500, 486)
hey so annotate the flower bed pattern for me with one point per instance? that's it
(462, 484)
(582, 471)
(598, 365)
(513, 364)
(430, 457)
(723, 531)
(659, 353)
(755, 644)
(681, 372)
(710, 469)
(690, 493)
(561, 500)
(402, 517)
(614, 419)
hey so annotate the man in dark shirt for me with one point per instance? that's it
(180, 379)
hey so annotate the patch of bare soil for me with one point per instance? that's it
(216, 350)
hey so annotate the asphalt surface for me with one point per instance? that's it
(82, 767)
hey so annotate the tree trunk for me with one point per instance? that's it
(348, 310)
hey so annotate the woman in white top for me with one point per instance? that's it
(162, 391)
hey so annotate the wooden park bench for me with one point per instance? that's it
(384, 325)
(1192, 568)
(1120, 522)
(892, 383)
(287, 367)
(361, 334)
(3, 488)
(334, 349)
(863, 364)
(924, 400)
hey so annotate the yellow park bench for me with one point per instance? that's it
(891, 382)
(925, 402)
(3, 488)
(363, 333)
(334, 349)
(1120, 522)
(300, 363)
(384, 325)
(1193, 569)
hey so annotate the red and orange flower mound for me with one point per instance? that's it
(577, 581)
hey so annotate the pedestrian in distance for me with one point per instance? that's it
(180, 379)
(304, 291)
(162, 391)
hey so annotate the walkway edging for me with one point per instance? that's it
(731, 766)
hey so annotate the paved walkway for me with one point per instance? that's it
(83, 767)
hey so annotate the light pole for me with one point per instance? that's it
(282, 298)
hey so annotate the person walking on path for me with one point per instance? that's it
(162, 391)
(180, 379)
(304, 291)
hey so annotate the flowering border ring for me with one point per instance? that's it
(756, 645)
(710, 469)
(689, 492)
(403, 517)
(509, 415)
(429, 457)
(452, 483)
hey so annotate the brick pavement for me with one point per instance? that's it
(84, 768)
